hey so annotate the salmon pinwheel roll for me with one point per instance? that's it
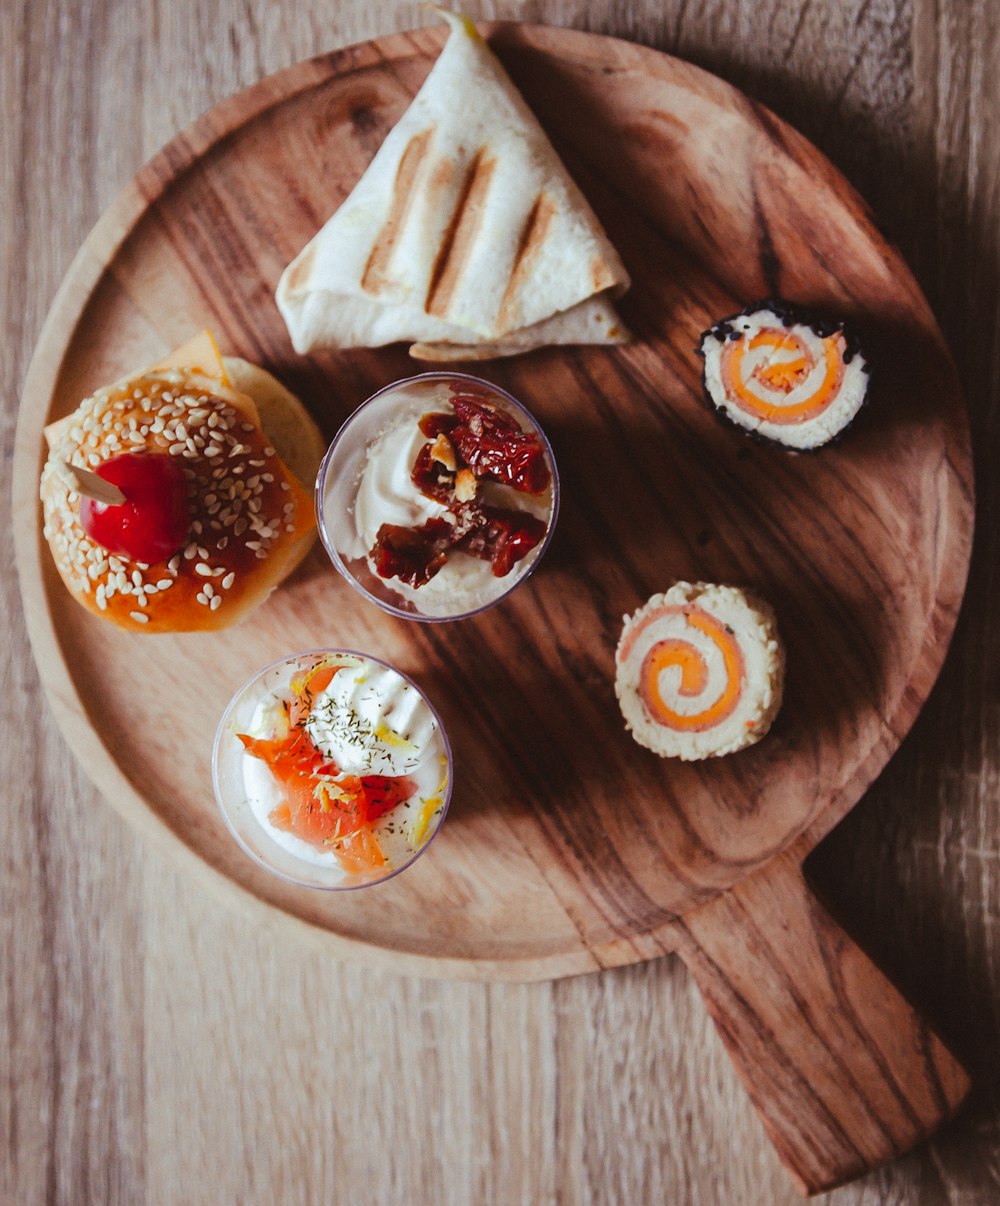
(699, 671)
(785, 375)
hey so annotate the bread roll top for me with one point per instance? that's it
(250, 517)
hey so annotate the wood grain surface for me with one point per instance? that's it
(141, 1018)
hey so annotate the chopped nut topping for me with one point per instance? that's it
(443, 453)
(465, 485)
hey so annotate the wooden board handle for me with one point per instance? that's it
(844, 1074)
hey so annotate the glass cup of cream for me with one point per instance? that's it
(438, 496)
(332, 769)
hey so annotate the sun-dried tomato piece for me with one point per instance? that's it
(413, 555)
(494, 446)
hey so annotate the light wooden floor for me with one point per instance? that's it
(153, 1050)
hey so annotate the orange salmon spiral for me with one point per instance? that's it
(699, 671)
(783, 376)
(694, 674)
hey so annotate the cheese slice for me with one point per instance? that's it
(200, 354)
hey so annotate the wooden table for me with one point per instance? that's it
(155, 1050)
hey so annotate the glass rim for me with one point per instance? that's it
(319, 492)
(217, 745)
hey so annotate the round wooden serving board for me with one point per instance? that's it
(568, 847)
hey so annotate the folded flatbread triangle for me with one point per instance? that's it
(466, 235)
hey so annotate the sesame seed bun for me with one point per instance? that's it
(250, 453)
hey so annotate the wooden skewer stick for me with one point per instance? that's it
(92, 486)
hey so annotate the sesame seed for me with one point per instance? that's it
(253, 544)
(136, 578)
(213, 450)
(139, 616)
(140, 598)
(269, 451)
(239, 527)
(190, 552)
(202, 553)
(175, 449)
(285, 486)
(203, 569)
(228, 580)
(202, 597)
(196, 527)
(209, 589)
(246, 427)
(174, 564)
(164, 583)
(101, 598)
(216, 603)
(221, 544)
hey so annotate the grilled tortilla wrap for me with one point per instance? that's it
(465, 235)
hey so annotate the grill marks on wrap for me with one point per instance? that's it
(419, 171)
(461, 234)
(532, 237)
(407, 174)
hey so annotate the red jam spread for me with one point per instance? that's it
(153, 522)
(476, 442)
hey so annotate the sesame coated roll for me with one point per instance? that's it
(249, 520)
(699, 671)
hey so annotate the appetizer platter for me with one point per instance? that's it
(568, 846)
